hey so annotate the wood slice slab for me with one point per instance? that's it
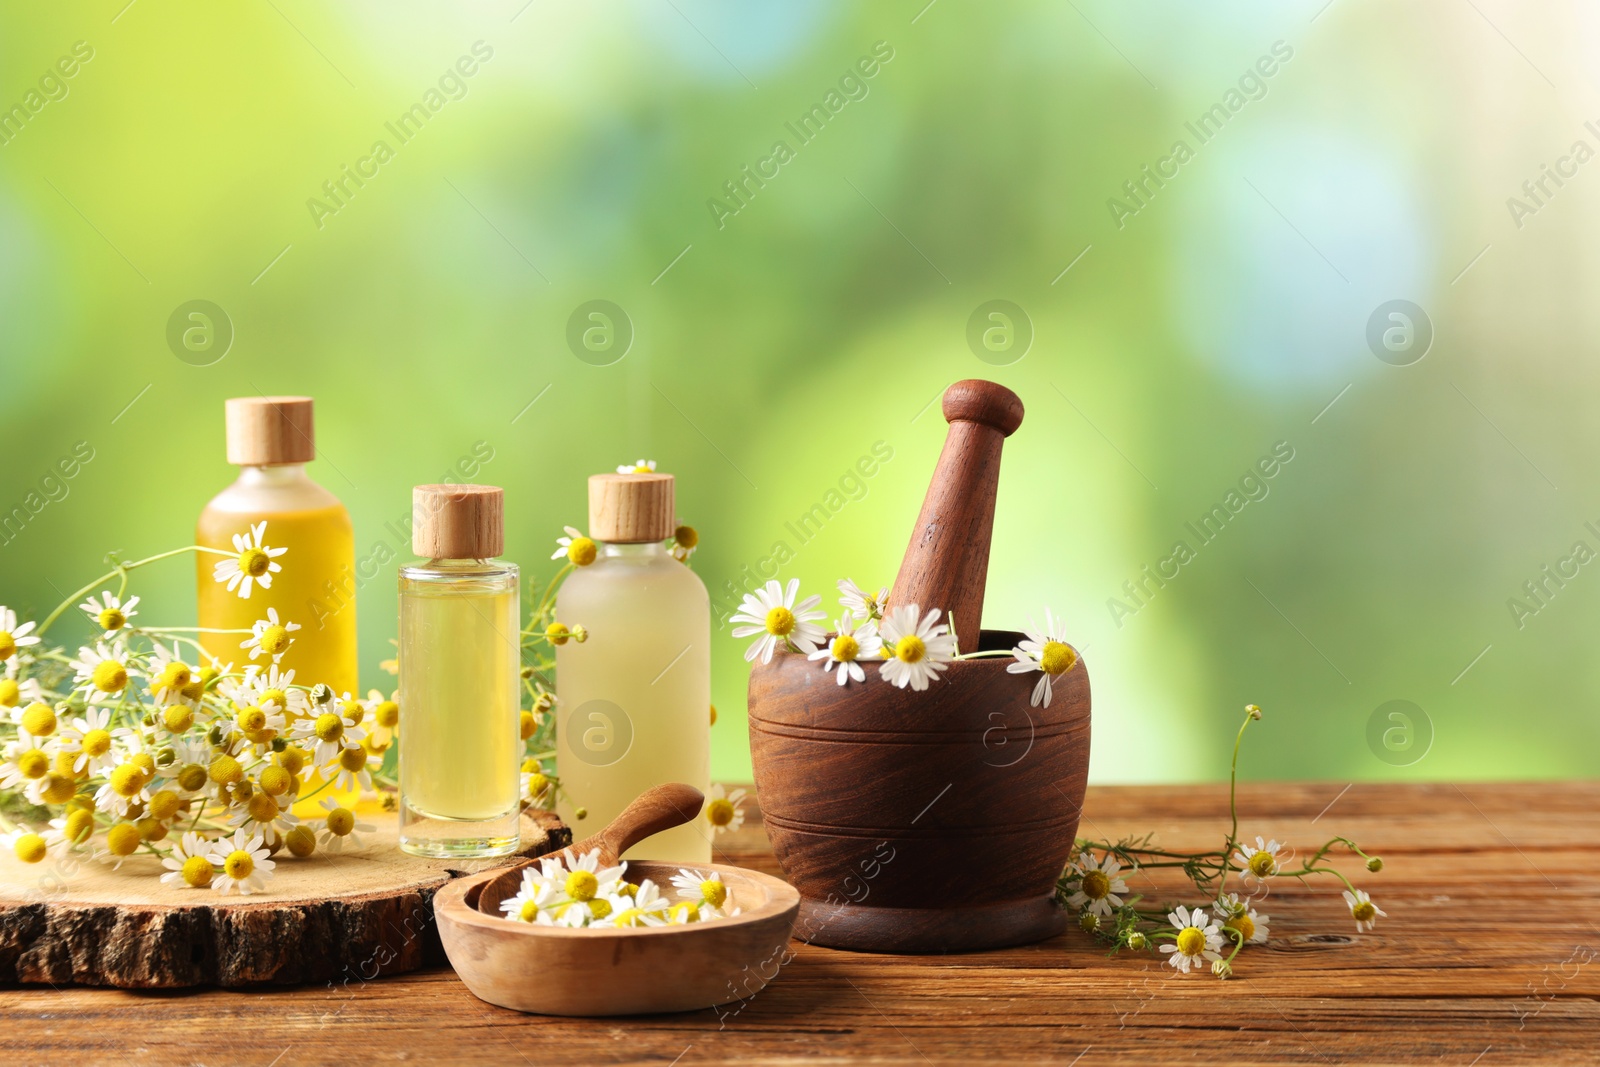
(337, 918)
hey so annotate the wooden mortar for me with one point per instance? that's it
(934, 821)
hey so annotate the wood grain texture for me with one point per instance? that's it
(1490, 889)
(360, 913)
(947, 561)
(921, 822)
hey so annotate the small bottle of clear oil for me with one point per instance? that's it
(460, 658)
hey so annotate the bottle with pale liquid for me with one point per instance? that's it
(460, 672)
(270, 438)
(633, 700)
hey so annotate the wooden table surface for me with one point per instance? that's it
(1490, 955)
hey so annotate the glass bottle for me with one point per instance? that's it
(460, 663)
(271, 439)
(634, 699)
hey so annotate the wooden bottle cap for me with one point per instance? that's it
(631, 508)
(268, 430)
(457, 521)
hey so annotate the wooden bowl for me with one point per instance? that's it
(610, 971)
(923, 822)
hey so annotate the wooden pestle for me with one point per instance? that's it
(947, 561)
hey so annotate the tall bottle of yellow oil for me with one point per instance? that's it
(633, 700)
(274, 505)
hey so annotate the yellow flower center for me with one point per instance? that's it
(686, 536)
(10, 692)
(846, 648)
(558, 633)
(58, 788)
(78, 827)
(1262, 864)
(254, 562)
(1191, 941)
(109, 676)
(1057, 658)
(275, 781)
(239, 864)
(529, 911)
(251, 719)
(342, 821)
(33, 763)
(274, 640)
(276, 697)
(301, 841)
(126, 780)
(292, 759)
(582, 551)
(688, 910)
(111, 619)
(29, 848)
(164, 805)
(582, 885)
(628, 917)
(329, 727)
(97, 742)
(174, 675)
(1095, 884)
(910, 649)
(122, 839)
(262, 807)
(714, 891)
(353, 759)
(39, 720)
(177, 718)
(1364, 912)
(720, 811)
(1244, 924)
(387, 714)
(8, 645)
(225, 770)
(780, 621)
(192, 777)
(599, 909)
(536, 784)
(198, 872)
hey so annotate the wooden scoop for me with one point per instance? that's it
(947, 562)
(651, 812)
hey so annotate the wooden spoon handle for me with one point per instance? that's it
(651, 812)
(947, 562)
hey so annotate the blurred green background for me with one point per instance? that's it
(1163, 340)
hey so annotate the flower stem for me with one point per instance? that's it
(121, 569)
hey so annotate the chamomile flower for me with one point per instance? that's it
(29, 846)
(88, 739)
(586, 879)
(1363, 910)
(256, 562)
(1045, 651)
(1097, 886)
(645, 907)
(341, 828)
(171, 679)
(531, 902)
(122, 841)
(1199, 940)
(1237, 914)
(724, 810)
(109, 612)
(576, 547)
(704, 889)
(850, 645)
(384, 713)
(12, 636)
(917, 648)
(332, 730)
(1261, 861)
(535, 787)
(685, 539)
(861, 604)
(266, 815)
(102, 671)
(771, 612)
(244, 862)
(271, 689)
(27, 759)
(18, 692)
(124, 787)
(269, 636)
(356, 765)
(189, 863)
(643, 466)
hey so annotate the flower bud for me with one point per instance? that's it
(321, 693)
(1375, 864)
(1254, 710)
(1137, 940)
(1222, 968)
